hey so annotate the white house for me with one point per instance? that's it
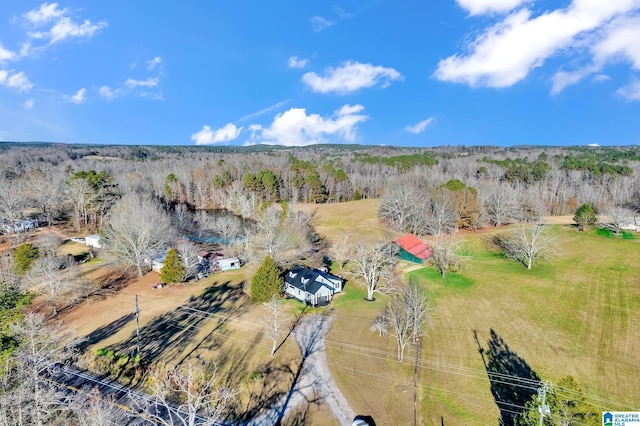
(228, 263)
(311, 285)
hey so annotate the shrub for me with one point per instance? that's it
(23, 258)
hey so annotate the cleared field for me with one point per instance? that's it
(578, 315)
(358, 218)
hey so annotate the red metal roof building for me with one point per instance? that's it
(413, 249)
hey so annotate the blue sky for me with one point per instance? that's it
(409, 73)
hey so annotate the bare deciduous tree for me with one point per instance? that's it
(274, 321)
(189, 256)
(48, 243)
(341, 248)
(532, 208)
(620, 216)
(416, 302)
(136, 225)
(80, 193)
(401, 205)
(32, 400)
(444, 256)
(190, 396)
(272, 239)
(182, 219)
(441, 216)
(380, 324)
(12, 201)
(499, 202)
(49, 279)
(527, 243)
(227, 226)
(94, 409)
(373, 263)
(46, 189)
(204, 222)
(404, 317)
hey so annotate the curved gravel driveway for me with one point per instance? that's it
(314, 379)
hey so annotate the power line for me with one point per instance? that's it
(495, 377)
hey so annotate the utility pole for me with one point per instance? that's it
(137, 327)
(543, 408)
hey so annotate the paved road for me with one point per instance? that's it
(77, 381)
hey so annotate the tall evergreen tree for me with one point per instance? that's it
(173, 269)
(23, 258)
(585, 217)
(266, 282)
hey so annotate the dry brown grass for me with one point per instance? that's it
(358, 218)
(579, 315)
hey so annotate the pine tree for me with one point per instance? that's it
(266, 282)
(23, 258)
(585, 217)
(173, 270)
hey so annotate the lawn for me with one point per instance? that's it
(577, 315)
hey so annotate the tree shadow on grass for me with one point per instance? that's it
(513, 382)
(270, 402)
(168, 335)
(105, 331)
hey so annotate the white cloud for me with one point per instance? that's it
(66, 28)
(621, 41)
(478, 7)
(598, 78)
(295, 128)
(630, 92)
(343, 14)
(506, 52)
(350, 77)
(78, 98)
(47, 12)
(562, 79)
(419, 127)
(17, 80)
(6, 54)
(149, 82)
(63, 27)
(318, 23)
(108, 93)
(207, 136)
(295, 62)
(153, 63)
(29, 104)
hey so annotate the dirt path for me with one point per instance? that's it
(314, 379)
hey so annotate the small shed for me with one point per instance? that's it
(413, 249)
(228, 263)
(93, 241)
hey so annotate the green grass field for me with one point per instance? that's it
(578, 315)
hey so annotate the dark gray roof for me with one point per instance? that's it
(306, 279)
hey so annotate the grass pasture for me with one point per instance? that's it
(578, 315)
